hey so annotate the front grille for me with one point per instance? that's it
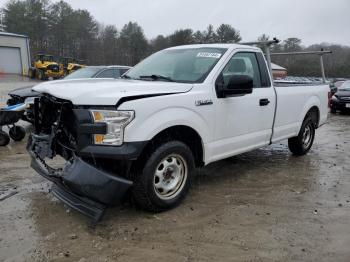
(55, 117)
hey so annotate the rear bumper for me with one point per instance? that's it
(82, 186)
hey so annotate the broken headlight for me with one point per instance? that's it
(116, 122)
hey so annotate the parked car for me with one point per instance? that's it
(180, 108)
(341, 99)
(98, 72)
(27, 95)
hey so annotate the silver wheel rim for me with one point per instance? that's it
(307, 136)
(170, 176)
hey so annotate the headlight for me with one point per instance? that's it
(116, 122)
(334, 97)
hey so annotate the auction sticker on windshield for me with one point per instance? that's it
(210, 55)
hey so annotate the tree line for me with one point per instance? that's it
(58, 29)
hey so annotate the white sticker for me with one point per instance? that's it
(210, 55)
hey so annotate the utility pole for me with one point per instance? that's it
(2, 16)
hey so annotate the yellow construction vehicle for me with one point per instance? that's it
(44, 67)
(69, 65)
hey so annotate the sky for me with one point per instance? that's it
(314, 21)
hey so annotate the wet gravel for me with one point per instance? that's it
(265, 205)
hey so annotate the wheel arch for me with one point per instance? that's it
(182, 133)
(311, 107)
(314, 112)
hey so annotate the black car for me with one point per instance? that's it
(340, 101)
(26, 94)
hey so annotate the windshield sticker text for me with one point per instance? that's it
(209, 55)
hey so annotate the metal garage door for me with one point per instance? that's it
(10, 60)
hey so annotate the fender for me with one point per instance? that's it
(146, 129)
(311, 102)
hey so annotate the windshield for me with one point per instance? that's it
(345, 86)
(86, 72)
(190, 65)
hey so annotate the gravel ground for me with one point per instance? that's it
(265, 205)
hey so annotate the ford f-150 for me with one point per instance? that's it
(181, 108)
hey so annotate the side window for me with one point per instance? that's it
(116, 73)
(243, 63)
(123, 71)
(106, 74)
(264, 71)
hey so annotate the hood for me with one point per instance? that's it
(107, 91)
(343, 93)
(24, 92)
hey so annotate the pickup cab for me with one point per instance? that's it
(181, 108)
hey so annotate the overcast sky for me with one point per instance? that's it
(314, 21)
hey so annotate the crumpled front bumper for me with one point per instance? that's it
(79, 184)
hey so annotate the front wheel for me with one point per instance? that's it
(302, 143)
(165, 178)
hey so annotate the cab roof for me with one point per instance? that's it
(218, 45)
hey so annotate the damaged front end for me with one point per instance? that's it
(87, 182)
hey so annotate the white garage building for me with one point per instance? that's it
(14, 54)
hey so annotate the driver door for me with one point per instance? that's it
(243, 122)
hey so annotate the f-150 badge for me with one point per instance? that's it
(204, 102)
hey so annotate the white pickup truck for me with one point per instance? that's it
(180, 108)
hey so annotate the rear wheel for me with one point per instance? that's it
(17, 133)
(302, 143)
(165, 177)
(4, 139)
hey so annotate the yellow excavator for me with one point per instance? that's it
(69, 65)
(45, 67)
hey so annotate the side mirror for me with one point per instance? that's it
(237, 85)
(240, 85)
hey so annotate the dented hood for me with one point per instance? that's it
(107, 91)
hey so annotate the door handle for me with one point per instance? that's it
(264, 102)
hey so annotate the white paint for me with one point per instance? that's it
(228, 127)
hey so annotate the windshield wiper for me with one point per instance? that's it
(158, 77)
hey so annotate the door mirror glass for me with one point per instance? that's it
(239, 85)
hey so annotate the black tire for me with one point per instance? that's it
(144, 190)
(4, 139)
(17, 133)
(333, 110)
(302, 143)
